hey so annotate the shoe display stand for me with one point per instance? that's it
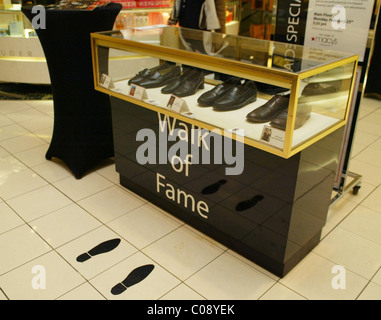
(267, 200)
(82, 133)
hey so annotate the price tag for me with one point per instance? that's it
(237, 131)
(177, 104)
(273, 136)
(137, 92)
(106, 81)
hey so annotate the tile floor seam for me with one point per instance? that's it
(44, 215)
(25, 263)
(357, 234)
(346, 268)
(362, 291)
(5, 295)
(21, 135)
(89, 283)
(105, 223)
(339, 222)
(77, 200)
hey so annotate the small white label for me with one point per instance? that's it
(177, 104)
(273, 136)
(137, 92)
(106, 81)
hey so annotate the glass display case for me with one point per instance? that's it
(276, 97)
(21, 56)
(13, 22)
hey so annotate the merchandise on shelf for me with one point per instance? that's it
(153, 3)
(127, 4)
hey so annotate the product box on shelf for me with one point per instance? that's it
(127, 4)
(153, 3)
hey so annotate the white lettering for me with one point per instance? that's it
(338, 281)
(181, 197)
(39, 281)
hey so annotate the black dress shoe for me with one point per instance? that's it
(160, 77)
(192, 82)
(174, 83)
(269, 110)
(147, 72)
(302, 115)
(237, 97)
(270, 89)
(209, 97)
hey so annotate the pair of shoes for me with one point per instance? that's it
(187, 84)
(302, 115)
(208, 98)
(157, 77)
(270, 109)
(236, 96)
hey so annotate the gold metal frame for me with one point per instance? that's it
(282, 78)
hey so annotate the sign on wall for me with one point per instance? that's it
(336, 25)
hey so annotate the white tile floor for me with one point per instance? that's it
(48, 218)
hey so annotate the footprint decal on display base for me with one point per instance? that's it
(103, 247)
(247, 204)
(213, 187)
(135, 276)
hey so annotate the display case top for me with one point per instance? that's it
(316, 84)
(278, 56)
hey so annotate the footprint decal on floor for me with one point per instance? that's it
(213, 187)
(137, 275)
(103, 247)
(247, 204)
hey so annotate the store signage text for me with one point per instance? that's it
(293, 21)
(192, 145)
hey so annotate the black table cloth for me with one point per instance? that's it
(82, 133)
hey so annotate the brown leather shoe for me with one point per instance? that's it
(302, 115)
(269, 110)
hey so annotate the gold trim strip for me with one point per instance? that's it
(292, 109)
(128, 57)
(23, 59)
(316, 138)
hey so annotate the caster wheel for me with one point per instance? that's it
(356, 190)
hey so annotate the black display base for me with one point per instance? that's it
(272, 213)
(259, 258)
(82, 132)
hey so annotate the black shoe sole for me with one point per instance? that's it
(135, 276)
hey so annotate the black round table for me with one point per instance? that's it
(82, 132)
